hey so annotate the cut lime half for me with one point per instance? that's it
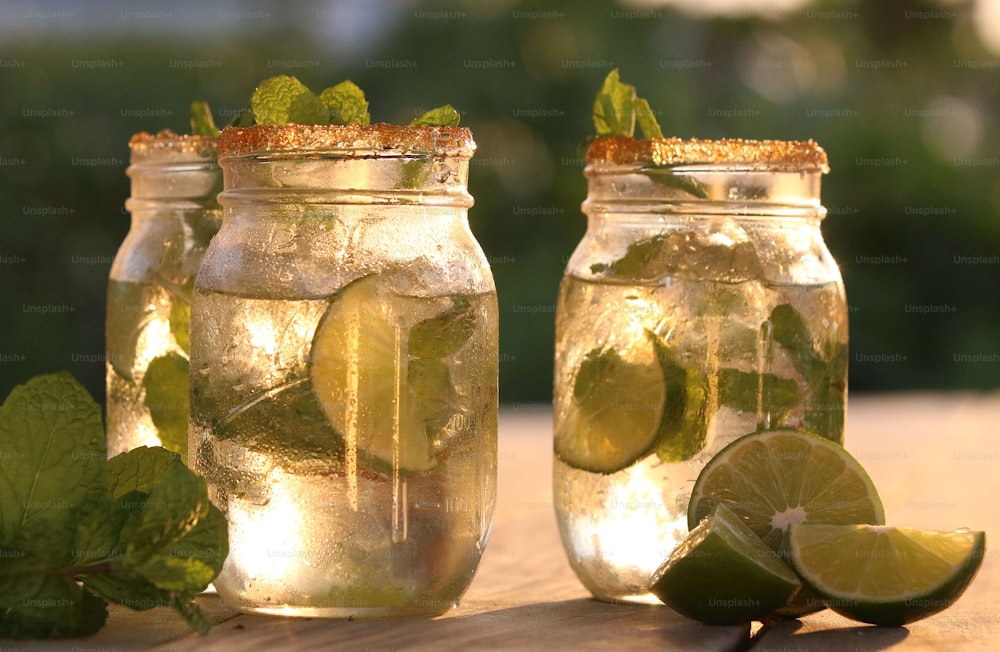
(885, 575)
(778, 477)
(724, 574)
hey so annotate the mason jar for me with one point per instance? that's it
(701, 305)
(175, 180)
(344, 371)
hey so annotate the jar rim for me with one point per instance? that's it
(356, 140)
(729, 153)
(144, 146)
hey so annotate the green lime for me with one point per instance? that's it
(358, 371)
(612, 418)
(885, 575)
(723, 574)
(778, 477)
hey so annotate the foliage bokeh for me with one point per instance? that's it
(903, 96)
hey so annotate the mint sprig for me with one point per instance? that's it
(617, 108)
(78, 530)
(283, 99)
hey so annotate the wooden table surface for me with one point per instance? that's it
(934, 457)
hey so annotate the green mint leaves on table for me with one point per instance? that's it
(78, 530)
(284, 99)
(617, 109)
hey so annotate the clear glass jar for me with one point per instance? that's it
(175, 180)
(701, 304)
(344, 371)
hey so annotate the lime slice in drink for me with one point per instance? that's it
(723, 574)
(613, 416)
(778, 477)
(358, 371)
(885, 575)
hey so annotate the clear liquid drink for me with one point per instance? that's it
(344, 371)
(701, 305)
(175, 179)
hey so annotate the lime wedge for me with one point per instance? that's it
(723, 574)
(359, 374)
(778, 477)
(885, 575)
(613, 416)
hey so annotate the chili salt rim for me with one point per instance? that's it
(785, 155)
(374, 138)
(144, 145)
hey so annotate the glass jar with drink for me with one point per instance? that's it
(701, 305)
(344, 371)
(175, 180)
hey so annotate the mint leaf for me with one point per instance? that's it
(739, 390)
(166, 385)
(666, 176)
(614, 108)
(202, 551)
(647, 121)
(139, 469)
(346, 104)
(84, 615)
(180, 314)
(442, 116)
(53, 446)
(202, 123)
(99, 537)
(174, 506)
(642, 258)
(444, 334)
(789, 329)
(824, 412)
(283, 99)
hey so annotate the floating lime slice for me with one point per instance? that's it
(612, 419)
(358, 372)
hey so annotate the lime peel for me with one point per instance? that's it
(885, 575)
(724, 574)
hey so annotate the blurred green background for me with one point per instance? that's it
(904, 96)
